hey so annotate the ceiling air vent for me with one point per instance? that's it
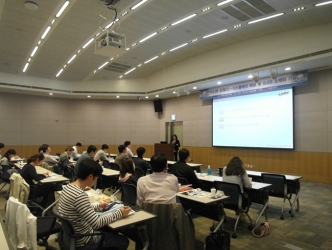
(118, 67)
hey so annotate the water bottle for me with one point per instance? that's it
(209, 170)
(147, 171)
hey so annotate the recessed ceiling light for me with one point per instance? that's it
(64, 6)
(134, 44)
(206, 9)
(97, 34)
(25, 67)
(163, 53)
(117, 96)
(127, 48)
(65, 65)
(59, 73)
(71, 59)
(194, 87)
(124, 13)
(90, 41)
(121, 76)
(138, 4)
(39, 42)
(174, 92)
(250, 76)
(157, 96)
(182, 45)
(29, 59)
(45, 32)
(163, 28)
(216, 33)
(53, 21)
(219, 83)
(184, 19)
(265, 18)
(146, 97)
(194, 40)
(103, 65)
(298, 9)
(129, 71)
(151, 59)
(224, 2)
(112, 59)
(148, 37)
(50, 93)
(79, 51)
(288, 68)
(139, 65)
(89, 96)
(320, 4)
(34, 51)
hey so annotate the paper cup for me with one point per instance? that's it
(250, 180)
(213, 192)
(91, 198)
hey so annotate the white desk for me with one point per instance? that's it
(110, 172)
(259, 174)
(54, 178)
(16, 159)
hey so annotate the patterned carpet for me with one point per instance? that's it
(311, 228)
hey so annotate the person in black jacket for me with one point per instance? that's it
(127, 172)
(182, 169)
(176, 144)
(139, 161)
(29, 174)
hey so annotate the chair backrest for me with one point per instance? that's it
(171, 229)
(233, 191)
(5, 174)
(139, 172)
(182, 181)
(66, 241)
(220, 171)
(279, 184)
(129, 193)
(106, 164)
(114, 166)
(19, 189)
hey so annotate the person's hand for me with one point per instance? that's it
(125, 211)
(100, 163)
(46, 174)
(102, 206)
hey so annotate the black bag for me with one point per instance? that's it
(220, 240)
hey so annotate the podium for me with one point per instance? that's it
(165, 148)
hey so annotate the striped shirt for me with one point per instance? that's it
(74, 205)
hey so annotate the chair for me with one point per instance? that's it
(68, 172)
(114, 166)
(182, 180)
(5, 175)
(278, 189)
(67, 237)
(139, 172)
(41, 227)
(129, 193)
(234, 202)
(106, 164)
(171, 229)
(220, 170)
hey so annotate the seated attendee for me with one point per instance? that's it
(182, 169)
(128, 146)
(46, 150)
(74, 155)
(1, 147)
(122, 155)
(101, 154)
(235, 173)
(90, 153)
(74, 204)
(64, 158)
(5, 159)
(29, 174)
(127, 172)
(139, 161)
(158, 186)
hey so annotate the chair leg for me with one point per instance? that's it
(282, 210)
(291, 207)
(3, 186)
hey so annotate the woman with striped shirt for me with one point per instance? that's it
(74, 205)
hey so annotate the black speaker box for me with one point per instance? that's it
(158, 107)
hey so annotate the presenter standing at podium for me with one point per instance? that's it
(176, 144)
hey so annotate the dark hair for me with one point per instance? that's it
(9, 152)
(88, 166)
(140, 151)
(121, 148)
(158, 162)
(175, 136)
(126, 143)
(35, 157)
(184, 154)
(69, 148)
(91, 148)
(43, 148)
(79, 144)
(127, 166)
(2, 145)
(234, 167)
(105, 146)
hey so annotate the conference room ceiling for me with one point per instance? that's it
(21, 29)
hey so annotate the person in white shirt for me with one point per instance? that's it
(74, 155)
(158, 186)
(128, 146)
(101, 154)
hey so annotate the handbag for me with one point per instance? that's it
(220, 240)
(263, 229)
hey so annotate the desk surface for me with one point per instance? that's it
(288, 177)
(136, 218)
(110, 172)
(173, 162)
(205, 200)
(54, 178)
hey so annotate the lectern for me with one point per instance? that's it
(165, 148)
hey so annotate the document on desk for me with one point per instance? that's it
(198, 194)
(52, 176)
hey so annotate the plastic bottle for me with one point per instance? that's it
(147, 171)
(208, 170)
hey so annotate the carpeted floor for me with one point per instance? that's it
(311, 228)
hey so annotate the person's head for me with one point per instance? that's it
(158, 162)
(78, 144)
(184, 154)
(9, 154)
(1, 146)
(91, 150)
(122, 149)
(234, 167)
(45, 148)
(127, 166)
(104, 147)
(127, 144)
(89, 171)
(174, 137)
(36, 159)
(140, 151)
(69, 150)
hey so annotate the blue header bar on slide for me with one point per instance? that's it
(251, 87)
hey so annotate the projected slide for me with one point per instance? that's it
(263, 120)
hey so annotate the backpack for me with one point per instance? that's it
(263, 229)
(220, 240)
